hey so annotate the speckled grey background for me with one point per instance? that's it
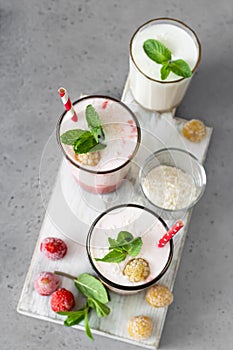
(83, 45)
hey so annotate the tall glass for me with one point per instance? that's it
(145, 83)
(122, 139)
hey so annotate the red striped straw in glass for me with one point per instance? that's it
(170, 233)
(67, 103)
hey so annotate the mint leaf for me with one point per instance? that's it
(156, 51)
(114, 256)
(85, 143)
(98, 147)
(112, 243)
(94, 123)
(87, 326)
(70, 136)
(72, 313)
(91, 287)
(73, 317)
(92, 117)
(101, 309)
(134, 247)
(181, 68)
(124, 237)
(164, 71)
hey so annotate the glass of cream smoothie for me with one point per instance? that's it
(146, 84)
(105, 166)
(135, 272)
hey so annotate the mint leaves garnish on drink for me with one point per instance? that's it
(84, 141)
(160, 54)
(94, 125)
(122, 246)
(96, 299)
(69, 137)
(87, 143)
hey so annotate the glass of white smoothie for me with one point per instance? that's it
(147, 85)
(150, 261)
(99, 166)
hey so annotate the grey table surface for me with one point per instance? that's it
(84, 46)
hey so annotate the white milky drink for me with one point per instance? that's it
(145, 82)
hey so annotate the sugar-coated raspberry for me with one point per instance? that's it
(194, 130)
(137, 270)
(159, 296)
(62, 300)
(46, 283)
(53, 248)
(90, 158)
(140, 327)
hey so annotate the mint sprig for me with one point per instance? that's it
(93, 122)
(84, 141)
(160, 54)
(70, 136)
(87, 143)
(157, 51)
(96, 299)
(164, 71)
(91, 287)
(181, 68)
(122, 246)
(101, 309)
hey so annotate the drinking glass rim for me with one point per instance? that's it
(59, 122)
(174, 21)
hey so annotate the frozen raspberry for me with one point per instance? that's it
(91, 158)
(53, 248)
(46, 283)
(159, 296)
(140, 327)
(137, 270)
(194, 130)
(62, 300)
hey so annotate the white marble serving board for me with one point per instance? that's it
(70, 212)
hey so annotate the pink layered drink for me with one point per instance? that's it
(104, 170)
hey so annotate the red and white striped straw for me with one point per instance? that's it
(170, 233)
(67, 103)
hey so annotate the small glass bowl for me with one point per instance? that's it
(141, 222)
(182, 160)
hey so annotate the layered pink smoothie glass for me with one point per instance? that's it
(122, 139)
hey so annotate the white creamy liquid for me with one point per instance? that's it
(177, 40)
(145, 83)
(141, 224)
(169, 187)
